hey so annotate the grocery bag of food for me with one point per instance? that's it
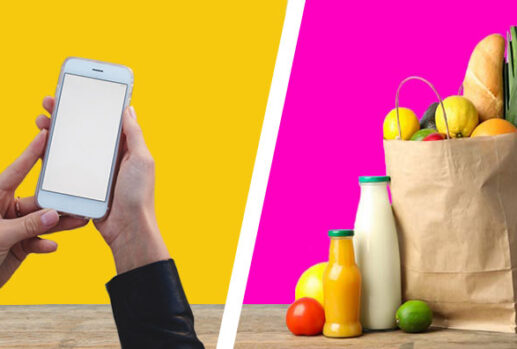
(455, 203)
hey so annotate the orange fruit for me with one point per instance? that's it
(492, 127)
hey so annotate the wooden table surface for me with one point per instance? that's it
(82, 326)
(261, 326)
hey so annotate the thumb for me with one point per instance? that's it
(31, 225)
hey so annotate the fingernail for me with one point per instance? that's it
(40, 138)
(49, 218)
(55, 245)
(132, 112)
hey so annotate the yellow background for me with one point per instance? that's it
(202, 76)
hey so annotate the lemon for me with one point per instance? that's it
(462, 117)
(414, 316)
(408, 124)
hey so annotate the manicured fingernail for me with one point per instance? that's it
(132, 112)
(49, 218)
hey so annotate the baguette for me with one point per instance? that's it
(483, 83)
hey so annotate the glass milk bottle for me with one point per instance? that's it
(377, 255)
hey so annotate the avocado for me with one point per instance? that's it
(427, 120)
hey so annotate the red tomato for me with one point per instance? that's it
(305, 317)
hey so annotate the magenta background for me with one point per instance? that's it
(348, 63)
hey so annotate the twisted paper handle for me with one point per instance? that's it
(435, 92)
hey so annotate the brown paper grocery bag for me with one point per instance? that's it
(455, 203)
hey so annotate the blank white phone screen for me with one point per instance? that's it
(82, 147)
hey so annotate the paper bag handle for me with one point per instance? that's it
(435, 92)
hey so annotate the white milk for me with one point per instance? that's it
(377, 255)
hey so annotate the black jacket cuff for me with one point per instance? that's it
(151, 310)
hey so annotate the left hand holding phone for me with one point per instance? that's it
(21, 220)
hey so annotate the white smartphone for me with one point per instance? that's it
(82, 148)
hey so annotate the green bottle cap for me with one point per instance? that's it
(374, 179)
(341, 232)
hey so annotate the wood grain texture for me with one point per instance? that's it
(82, 326)
(263, 326)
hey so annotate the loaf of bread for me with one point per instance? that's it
(483, 83)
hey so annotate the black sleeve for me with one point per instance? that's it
(151, 310)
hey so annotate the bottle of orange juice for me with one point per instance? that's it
(342, 287)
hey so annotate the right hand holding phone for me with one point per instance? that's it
(130, 228)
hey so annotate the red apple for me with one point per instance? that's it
(435, 137)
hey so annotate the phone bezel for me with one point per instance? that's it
(74, 205)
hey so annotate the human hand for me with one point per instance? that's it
(130, 229)
(21, 220)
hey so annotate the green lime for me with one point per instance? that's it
(421, 134)
(414, 316)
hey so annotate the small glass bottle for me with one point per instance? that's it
(342, 287)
